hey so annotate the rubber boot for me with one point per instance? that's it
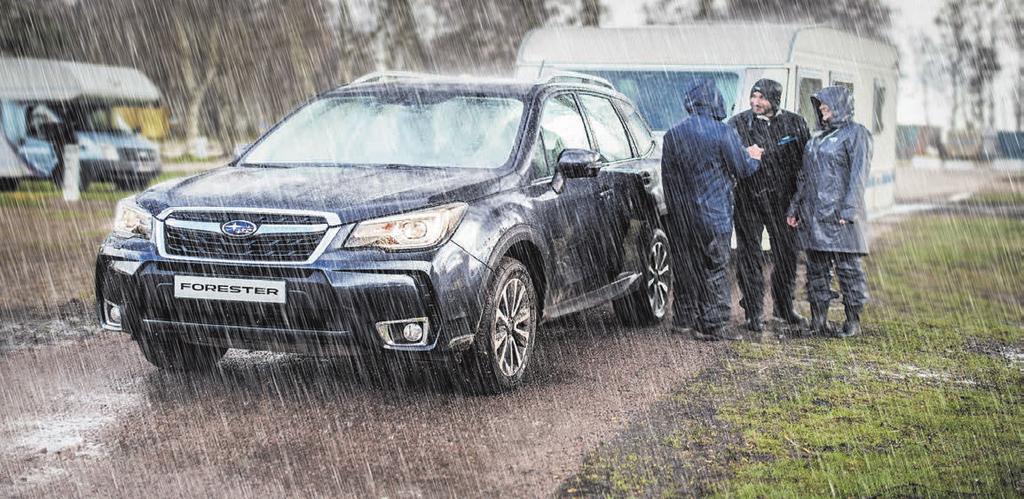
(819, 320)
(791, 317)
(852, 325)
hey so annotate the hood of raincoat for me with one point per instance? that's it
(771, 90)
(703, 98)
(839, 100)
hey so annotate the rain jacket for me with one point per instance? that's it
(783, 137)
(701, 158)
(831, 184)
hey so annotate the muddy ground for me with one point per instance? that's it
(81, 413)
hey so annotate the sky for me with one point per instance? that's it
(911, 19)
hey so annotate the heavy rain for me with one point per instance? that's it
(468, 248)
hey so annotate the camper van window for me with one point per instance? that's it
(39, 116)
(808, 87)
(659, 93)
(612, 141)
(104, 119)
(13, 117)
(879, 109)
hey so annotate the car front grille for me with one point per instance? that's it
(197, 235)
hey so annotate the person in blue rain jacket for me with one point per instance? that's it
(701, 159)
(828, 210)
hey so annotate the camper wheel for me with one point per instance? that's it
(8, 184)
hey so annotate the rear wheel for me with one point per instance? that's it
(648, 304)
(176, 355)
(503, 345)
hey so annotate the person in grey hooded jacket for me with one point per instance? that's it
(828, 209)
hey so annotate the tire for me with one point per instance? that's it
(8, 184)
(176, 355)
(499, 357)
(648, 304)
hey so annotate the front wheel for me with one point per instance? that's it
(8, 184)
(648, 304)
(503, 344)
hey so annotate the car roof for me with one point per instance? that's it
(414, 82)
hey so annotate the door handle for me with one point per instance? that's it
(606, 194)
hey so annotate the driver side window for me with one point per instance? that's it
(561, 127)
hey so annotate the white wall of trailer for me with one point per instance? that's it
(800, 57)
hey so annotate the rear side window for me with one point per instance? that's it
(561, 127)
(611, 138)
(638, 128)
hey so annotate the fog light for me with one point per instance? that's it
(412, 332)
(111, 316)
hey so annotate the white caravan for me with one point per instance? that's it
(652, 65)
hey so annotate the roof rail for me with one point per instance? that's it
(385, 76)
(574, 77)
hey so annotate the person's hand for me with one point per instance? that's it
(755, 151)
(792, 222)
(842, 221)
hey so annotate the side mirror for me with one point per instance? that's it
(578, 163)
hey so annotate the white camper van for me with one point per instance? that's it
(653, 64)
(39, 93)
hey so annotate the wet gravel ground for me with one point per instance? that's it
(92, 418)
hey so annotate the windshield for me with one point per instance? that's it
(102, 119)
(659, 94)
(420, 130)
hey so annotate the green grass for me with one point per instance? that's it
(925, 403)
(1014, 197)
(44, 194)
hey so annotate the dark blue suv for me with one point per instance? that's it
(401, 216)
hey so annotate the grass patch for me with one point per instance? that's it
(1001, 197)
(928, 402)
(44, 194)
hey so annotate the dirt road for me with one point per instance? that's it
(90, 418)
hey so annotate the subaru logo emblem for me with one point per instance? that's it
(238, 228)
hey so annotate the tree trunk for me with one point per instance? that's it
(194, 109)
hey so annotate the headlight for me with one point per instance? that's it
(109, 152)
(415, 230)
(131, 220)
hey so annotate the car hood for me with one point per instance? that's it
(353, 193)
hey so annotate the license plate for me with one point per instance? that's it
(216, 288)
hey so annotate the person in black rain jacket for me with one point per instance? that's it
(762, 200)
(829, 212)
(700, 160)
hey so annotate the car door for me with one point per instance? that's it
(616, 183)
(566, 218)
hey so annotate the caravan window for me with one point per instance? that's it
(808, 87)
(659, 94)
(877, 124)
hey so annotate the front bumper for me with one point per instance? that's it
(338, 304)
(121, 169)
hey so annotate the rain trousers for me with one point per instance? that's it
(701, 158)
